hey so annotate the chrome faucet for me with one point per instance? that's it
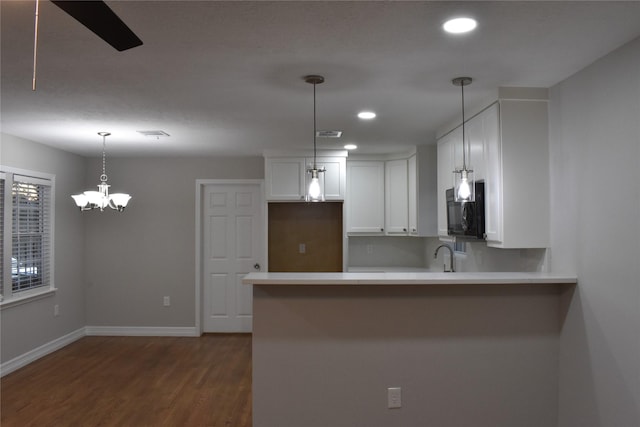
(444, 267)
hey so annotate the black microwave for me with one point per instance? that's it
(466, 219)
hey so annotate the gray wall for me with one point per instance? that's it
(135, 258)
(28, 326)
(595, 156)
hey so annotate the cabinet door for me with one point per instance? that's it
(365, 197)
(333, 180)
(396, 197)
(474, 144)
(285, 178)
(445, 175)
(413, 195)
(493, 174)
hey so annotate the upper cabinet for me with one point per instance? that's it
(422, 181)
(365, 197)
(507, 147)
(287, 178)
(394, 196)
(517, 174)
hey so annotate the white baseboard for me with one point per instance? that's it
(142, 331)
(35, 354)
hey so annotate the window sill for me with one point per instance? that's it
(27, 297)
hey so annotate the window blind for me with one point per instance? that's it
(30, 233)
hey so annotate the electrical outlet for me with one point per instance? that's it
(394, 397)
(369, 249)
(56, 310)
(167, 301)
(302, 248)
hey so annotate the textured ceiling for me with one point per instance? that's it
(225, 78)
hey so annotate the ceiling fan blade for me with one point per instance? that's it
(99, 18)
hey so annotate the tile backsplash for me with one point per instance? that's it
(417, 252)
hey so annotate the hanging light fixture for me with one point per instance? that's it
(100, 199)
(463, 177)
(314, 192)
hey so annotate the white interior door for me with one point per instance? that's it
(232, 247)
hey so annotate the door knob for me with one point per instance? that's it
(256, 266)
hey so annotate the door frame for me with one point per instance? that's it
(200, 185)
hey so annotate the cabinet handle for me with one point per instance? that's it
(382, 229)
(404, 229)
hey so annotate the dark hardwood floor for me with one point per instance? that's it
(134, 381)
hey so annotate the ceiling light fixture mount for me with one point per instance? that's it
(90, 200)
(314, 192)
(463, 177)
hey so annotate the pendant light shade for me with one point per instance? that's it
(315, 192)
(90, 200)
(463, 189)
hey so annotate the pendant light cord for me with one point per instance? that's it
(35, 45)
(464, 155)
(314, 126)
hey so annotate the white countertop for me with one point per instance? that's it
(406, 278)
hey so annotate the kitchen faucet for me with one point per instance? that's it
(444, 267)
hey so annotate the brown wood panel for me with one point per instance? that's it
(135, 381)
(316, 225)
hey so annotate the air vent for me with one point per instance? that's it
(156, 133)
(329, 133)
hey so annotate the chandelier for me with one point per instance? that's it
(314, 192)
(90, 200)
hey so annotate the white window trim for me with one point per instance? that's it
(34, 294)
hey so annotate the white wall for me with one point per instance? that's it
(28, 326)
(595, 161)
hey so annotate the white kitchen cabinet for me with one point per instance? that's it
(517, 173)
(365, 197)
(508, 149)
(393, 196)
(287, 178)
(446, 180)
(412, 179)
(334, 180)
(396, 195)
(422, 191)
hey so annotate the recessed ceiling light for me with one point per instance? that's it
(459, 25)
(366, 115)
(350, 147)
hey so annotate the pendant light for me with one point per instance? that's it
(463, 177)
(90, 200)
(315, 192)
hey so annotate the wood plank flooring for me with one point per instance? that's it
(134, 381)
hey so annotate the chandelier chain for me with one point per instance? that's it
(103, 177)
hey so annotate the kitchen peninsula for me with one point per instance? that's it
(466, 349)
